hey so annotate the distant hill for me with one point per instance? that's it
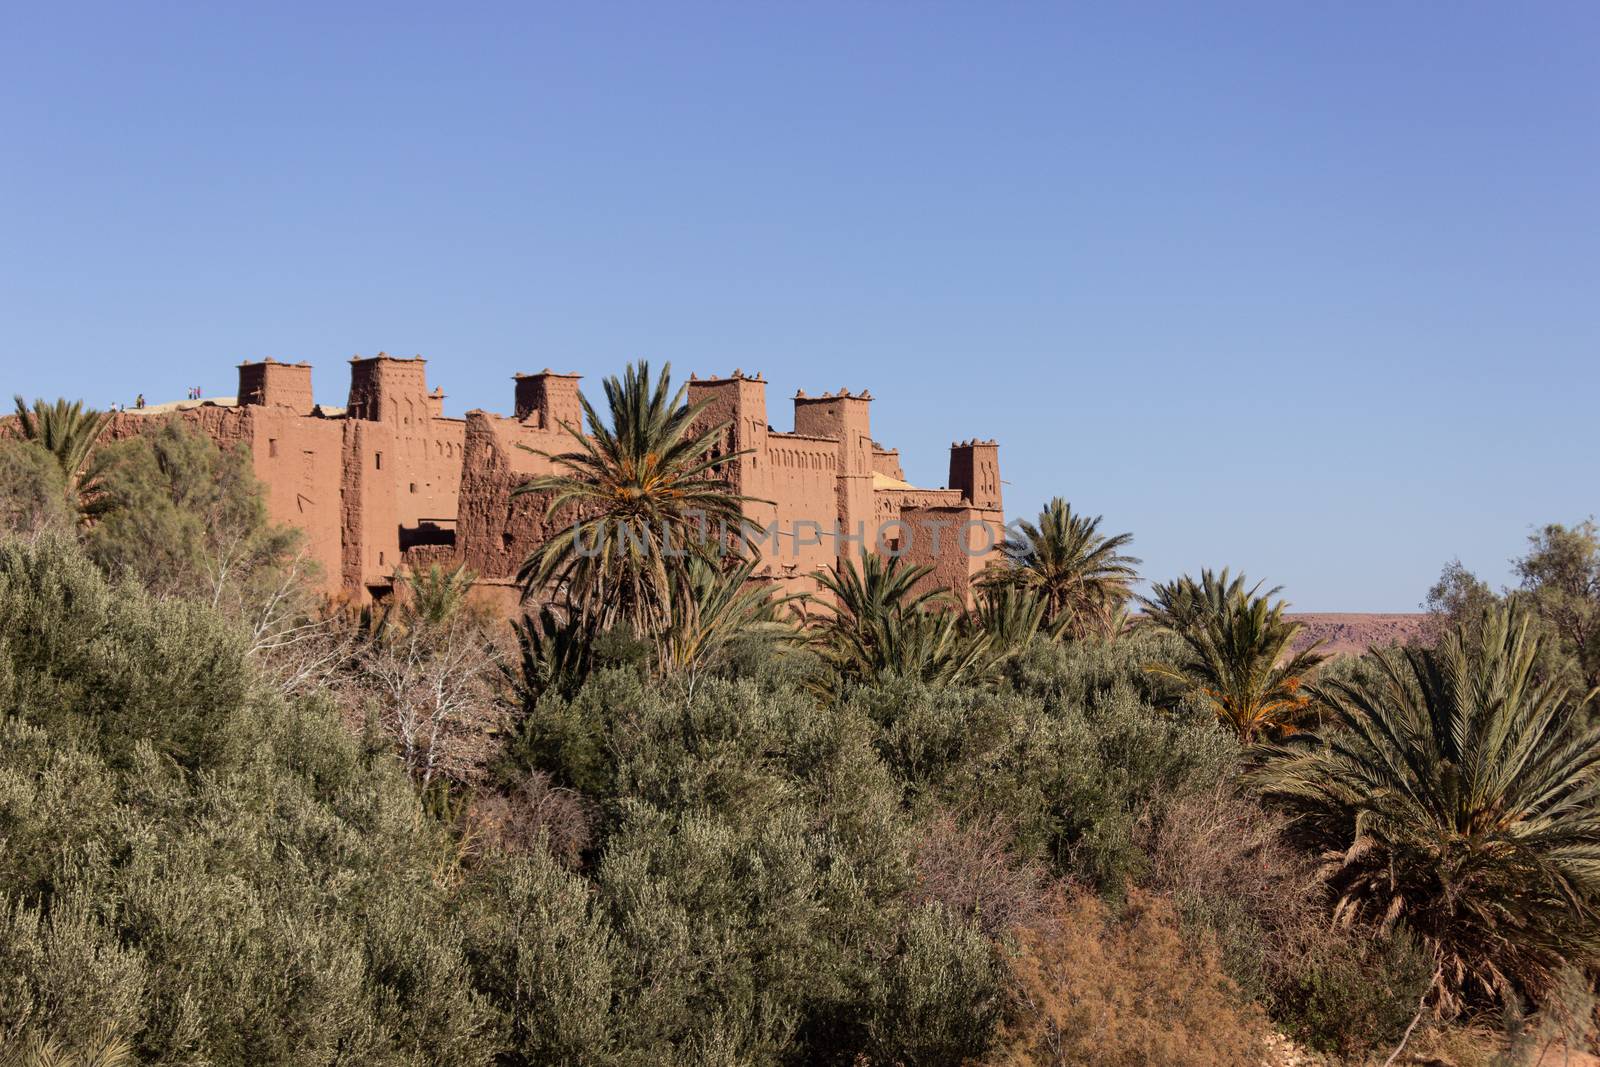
(1344, 633)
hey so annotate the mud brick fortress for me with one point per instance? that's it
(388, 483)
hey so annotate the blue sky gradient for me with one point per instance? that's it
(1308, 291)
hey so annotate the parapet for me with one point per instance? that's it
(843, 416)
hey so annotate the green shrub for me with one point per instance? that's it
(33, 491)
(940, 997)
(115, 666)
(722, 927)
(221, 877)
(542, 953)
(64, 976)
(182, 517)
(1351, 994)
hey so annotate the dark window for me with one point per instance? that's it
(377, 460)
(272, 447)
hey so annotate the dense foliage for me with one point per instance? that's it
(1238, 655)
(1462, 798)
(239, 827)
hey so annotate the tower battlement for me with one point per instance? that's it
(548, 400)
(269, 383)
(975, 470)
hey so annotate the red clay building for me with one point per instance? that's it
(388, 482)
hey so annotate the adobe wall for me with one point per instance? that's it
(273, 384)
(886, 461)
(975, 471)
(956, 542)
(495, 529)
(889, 503)
(423, 453)
(547, 400)
(299, 460)
(804, 482)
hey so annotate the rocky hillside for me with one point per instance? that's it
(1346, 633)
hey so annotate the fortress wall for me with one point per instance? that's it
(423, 456)
(803, 481)
(227, 425)
(369, 514)
(495, 530)
(888, 503)
(427, 473)
(940, 538)
(300, 463)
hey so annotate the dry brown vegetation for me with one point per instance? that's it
(973, 871)
(535, 815)
(1128, 990)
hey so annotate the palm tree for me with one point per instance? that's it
(646, 490)
(881, 625)
(1081, 573)
(709, 608)
(66, 430)
(1459, 794)
(438, 596)
(1236, 652)
(556, 653)
(1012, 616)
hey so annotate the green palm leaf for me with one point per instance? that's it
(1459, 793)
(1081, 574)
(1237, 654)
(648, 498)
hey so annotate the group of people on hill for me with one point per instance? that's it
(195, 393)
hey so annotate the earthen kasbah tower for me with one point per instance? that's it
(388, 483)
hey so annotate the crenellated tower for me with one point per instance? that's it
(847, 419)
(546, 400)
(273, 384)
(975, 470)
(390, 390)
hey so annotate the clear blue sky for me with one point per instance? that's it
(1308, 290)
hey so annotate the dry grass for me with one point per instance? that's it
(1128, 991)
